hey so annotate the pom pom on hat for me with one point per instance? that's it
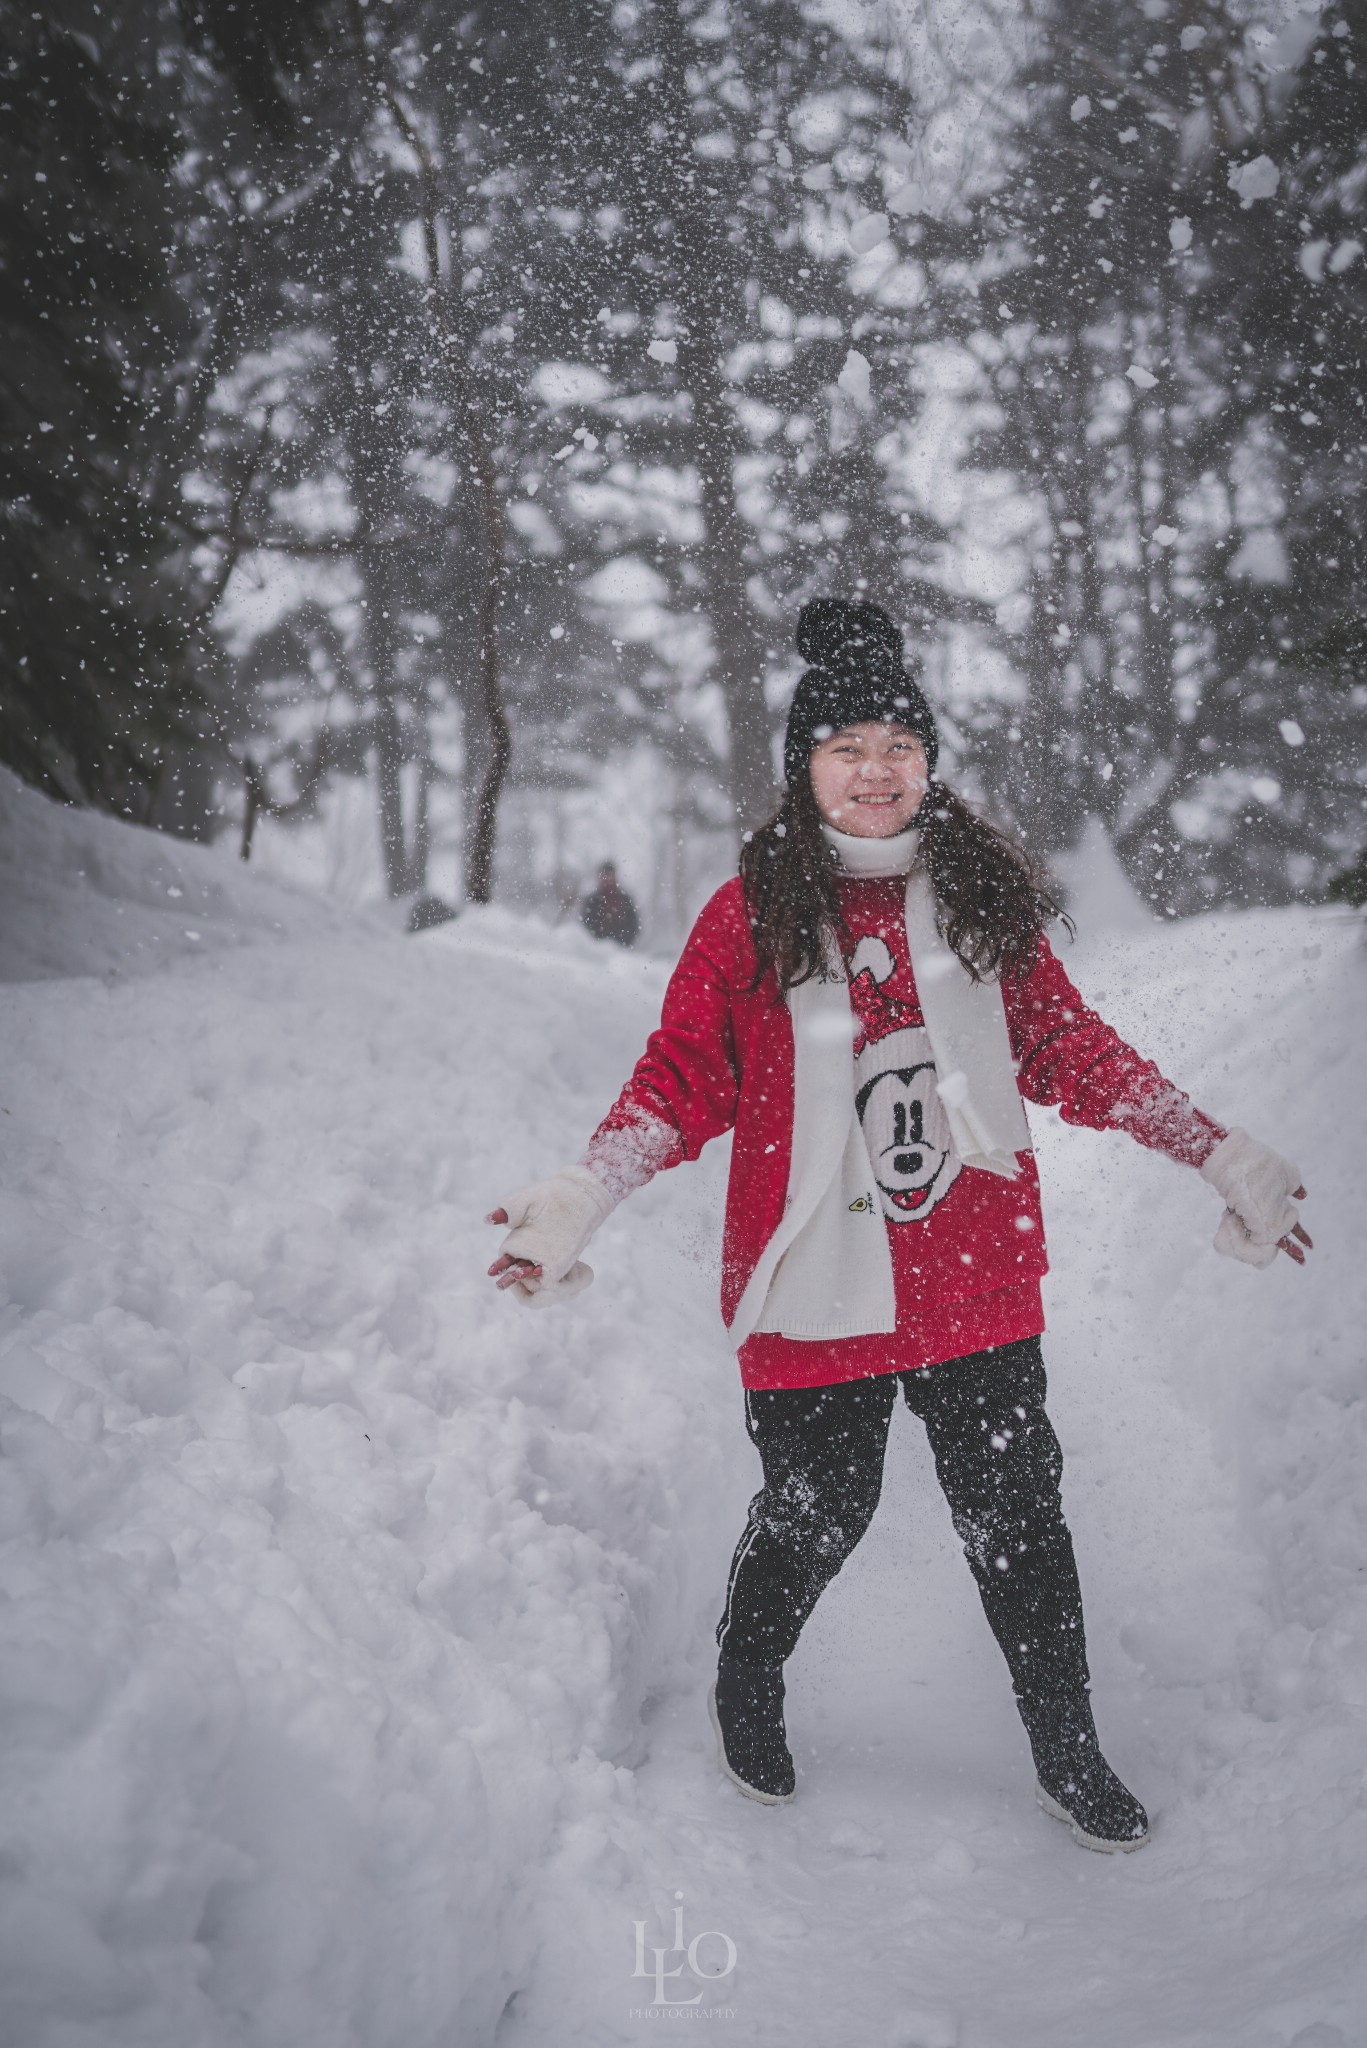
(830, 629)
(858, 676)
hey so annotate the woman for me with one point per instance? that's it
(865, 1006)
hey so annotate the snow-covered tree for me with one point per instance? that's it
(1176, 366)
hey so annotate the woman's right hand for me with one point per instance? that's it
(507, 1271)
(550, 1222)
(528, 1282)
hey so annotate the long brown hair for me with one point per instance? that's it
(993, 902)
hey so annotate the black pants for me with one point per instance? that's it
(999, 1463)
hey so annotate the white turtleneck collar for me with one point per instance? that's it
(874, 859)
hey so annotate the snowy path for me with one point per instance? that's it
(914, 1895)
(355, 1627)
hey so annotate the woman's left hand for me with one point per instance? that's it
(1259, 1189)
(1286, 1244)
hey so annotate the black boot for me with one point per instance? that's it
(746, 1705)
(1076, 1784)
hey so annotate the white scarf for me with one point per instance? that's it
(827, 1270)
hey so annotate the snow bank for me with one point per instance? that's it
(332, 1585)
(85, 894)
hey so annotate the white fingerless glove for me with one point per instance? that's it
(1256, 1184)
(550, 1222)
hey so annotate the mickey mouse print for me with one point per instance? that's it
(903, 1120)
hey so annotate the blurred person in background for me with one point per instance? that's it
(608, 912)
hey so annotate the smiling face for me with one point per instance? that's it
(868, 780)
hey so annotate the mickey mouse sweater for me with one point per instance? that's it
(967, 1247)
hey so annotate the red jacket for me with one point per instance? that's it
(967, 1263)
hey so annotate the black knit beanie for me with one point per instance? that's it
(858, 675)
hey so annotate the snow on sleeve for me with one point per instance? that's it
(626, 1155)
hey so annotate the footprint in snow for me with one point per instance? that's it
(857, 1841)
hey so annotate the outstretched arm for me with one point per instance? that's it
(685, 1086)
(1070, 1057)
(683, 1091)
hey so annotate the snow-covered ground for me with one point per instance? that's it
(356, 1624)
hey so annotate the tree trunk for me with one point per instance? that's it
(479, 874)
(388, 738)
(710, 292)
(422, 822)
(255, 801)
(386, 724)
(469, 418)
(738, 635)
